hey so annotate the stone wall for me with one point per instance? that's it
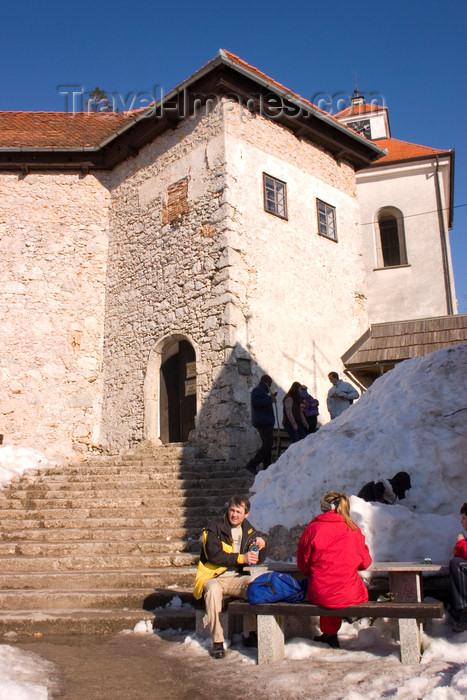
(168, 277)
(102, 274)
(53, 266)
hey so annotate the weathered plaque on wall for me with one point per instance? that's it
(244, 366)
(190, 369)
(190, 387)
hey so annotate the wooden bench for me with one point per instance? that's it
(270, 620)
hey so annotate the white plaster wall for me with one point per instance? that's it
(379, 127)
(305, 296)
(53, 238)
(416, 290)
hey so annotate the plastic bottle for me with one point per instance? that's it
(254, 548)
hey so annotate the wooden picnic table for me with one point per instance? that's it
(405, 583)
(405, 577)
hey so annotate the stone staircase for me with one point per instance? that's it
(102, 544)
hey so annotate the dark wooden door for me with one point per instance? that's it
(187, 388)
(178, 394)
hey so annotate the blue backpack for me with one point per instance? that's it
(274, 587)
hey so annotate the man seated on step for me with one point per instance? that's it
(229, 544)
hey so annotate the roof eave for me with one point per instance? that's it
(341, 140)
(305, 106)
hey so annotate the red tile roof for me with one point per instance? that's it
(403, 150)
(58, 129)
(67, 131)
(62, 130)
(359, 109)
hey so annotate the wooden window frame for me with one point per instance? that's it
(278, 208)
(386, 217)
(323, 226)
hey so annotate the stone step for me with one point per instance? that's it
(139, 483)
(115, 534)
(87, 533)
(234, 481)
(101, 544)
(67, 513)
(26, 564)
(150, 449)
(37, 520)
(124, 598)
(90, 548)
(159, 467)
(66, 622)
(129, 498)
(166, 580)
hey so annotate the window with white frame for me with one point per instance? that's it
(391, 248)
(326, 220)
(275, 196)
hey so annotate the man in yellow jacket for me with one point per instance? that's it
(227, 548)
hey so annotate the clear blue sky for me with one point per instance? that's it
(410, 51)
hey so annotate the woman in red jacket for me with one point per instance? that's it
(330, 553)
(458, 577)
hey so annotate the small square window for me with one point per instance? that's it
(326, 220)
(275, 196)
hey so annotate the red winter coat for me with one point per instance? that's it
(330, 554)
(460, 550)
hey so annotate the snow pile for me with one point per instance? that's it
(412, 419)
(23, 675)
(15, 460)
(142, 627)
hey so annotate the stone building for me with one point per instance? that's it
(156, 263)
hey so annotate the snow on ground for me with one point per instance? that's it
(23, 675)
(366, 666)
(412, 419)
(15, 460)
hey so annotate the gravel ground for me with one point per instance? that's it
(133, 667)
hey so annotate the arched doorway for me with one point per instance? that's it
(177, 408)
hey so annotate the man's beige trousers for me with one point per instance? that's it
(214, 591)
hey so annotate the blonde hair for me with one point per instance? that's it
(340, 503)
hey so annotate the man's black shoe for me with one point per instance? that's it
(217, 650)
(251, 640)
(329, 639)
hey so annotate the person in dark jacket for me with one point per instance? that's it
(262, 418)
(310, 409)
(227, 548)
(294, 420)
(386, 491)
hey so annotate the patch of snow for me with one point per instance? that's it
(15, 460)
(23, 675)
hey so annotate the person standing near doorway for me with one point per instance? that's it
(294, 420)
(310, 409)
(262, 418)
(340, 396)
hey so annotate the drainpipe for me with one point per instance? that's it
(444, 247)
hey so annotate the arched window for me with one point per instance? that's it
(391, 240)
